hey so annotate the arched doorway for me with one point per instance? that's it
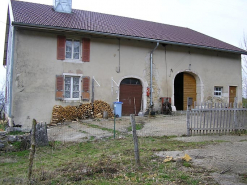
(184, 87)
(131, 96)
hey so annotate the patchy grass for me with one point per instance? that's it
(102, 128)
(186, 164)
(238, 132)
(82, 131)
(243, 177)
(102, 162)
(3, 125)
(16, 133)
(139, 126)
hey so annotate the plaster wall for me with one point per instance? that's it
(36, 66)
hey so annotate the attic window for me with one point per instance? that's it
(72, 49)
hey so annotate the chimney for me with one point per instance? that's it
(64, 6)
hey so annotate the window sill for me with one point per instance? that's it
(73, 61)
(72, 101)
(218, 96)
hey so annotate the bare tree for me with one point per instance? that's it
(2, 101)
(244, 67)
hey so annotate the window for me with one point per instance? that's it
(72, 87)
(72, 49)
(218, 91)
(132, 81)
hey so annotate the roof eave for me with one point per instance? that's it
(26, 25)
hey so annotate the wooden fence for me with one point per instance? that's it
(216, 118)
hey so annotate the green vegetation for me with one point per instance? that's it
(3, 125)
(243, 177)
(16, 133)
(102, 162)
(139, 126)
(244, 101)
(186, 164)
(99, 127)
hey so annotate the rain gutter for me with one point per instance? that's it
(25, 25)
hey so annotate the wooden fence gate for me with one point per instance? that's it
(216, 118)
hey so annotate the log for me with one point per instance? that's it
(32, 151)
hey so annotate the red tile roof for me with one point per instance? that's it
(44, 15)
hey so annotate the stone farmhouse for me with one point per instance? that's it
(56, 55)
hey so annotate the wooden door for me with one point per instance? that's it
(232, 93)
(189, 89)
(131, 96)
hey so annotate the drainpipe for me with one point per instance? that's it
(151, 76)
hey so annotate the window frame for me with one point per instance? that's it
(71, 86)
(72, 49)
(218, 89)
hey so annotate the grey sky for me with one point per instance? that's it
(225, 20)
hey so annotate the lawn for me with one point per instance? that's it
(103, 162)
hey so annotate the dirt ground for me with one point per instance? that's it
(99, 128)
(226, 159)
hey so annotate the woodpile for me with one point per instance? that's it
(57, 114)
(101, 106)
(70, 113)
(83, 111)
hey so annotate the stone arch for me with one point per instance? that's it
(198, 86)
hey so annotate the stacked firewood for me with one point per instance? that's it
(70, 113)
(57, 114)
(83, 111)
(101, 106)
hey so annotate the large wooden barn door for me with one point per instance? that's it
(184, 87)
(131, 96)
(232, 93)
(189, 89)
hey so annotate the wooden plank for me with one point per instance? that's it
(223, 122)
(232, 93)
(189, 89)
(188, 123)
(227, 115)
(211, 118)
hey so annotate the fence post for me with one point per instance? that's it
(189, 104)
(136, 149)
(188, 122)
(32, 151)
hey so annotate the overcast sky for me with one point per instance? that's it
(225, 20)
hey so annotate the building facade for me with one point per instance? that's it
(47, 67)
